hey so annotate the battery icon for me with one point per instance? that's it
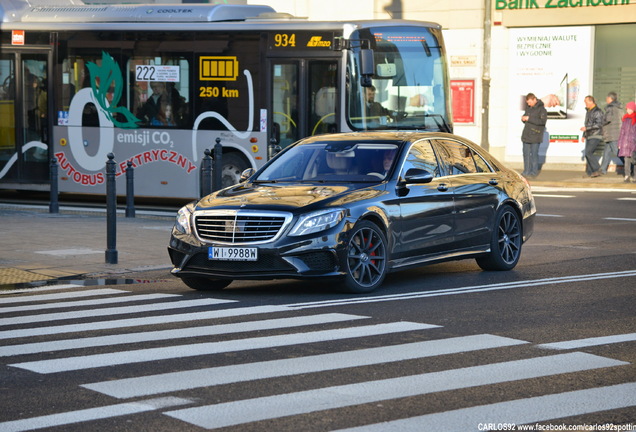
(218, 68)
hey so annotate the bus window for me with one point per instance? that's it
(285, 102)
(323, 79)
(159, 90)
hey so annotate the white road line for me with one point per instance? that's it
(621, 219)
(60, 296)
(522, 411)
(90, 313)
(181, 333)
(137, 322)
(549, 215)
(466, 290)
(40, 289)
(91, 414)
(588, 342)
(627, 199)
(552, 195)
(252, 410)
(186, 380)
(92, 302)
(191, 350)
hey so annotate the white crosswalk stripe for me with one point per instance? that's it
(295, 325)
(251, 410)
(518, 412)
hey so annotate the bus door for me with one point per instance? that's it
(24, 131)
(303, 99)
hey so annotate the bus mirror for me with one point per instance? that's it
(366, 66)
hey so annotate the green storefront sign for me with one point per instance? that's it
(554, 4)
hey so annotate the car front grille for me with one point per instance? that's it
(240, 226)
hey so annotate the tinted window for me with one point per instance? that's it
(421, 156)
(458, 158)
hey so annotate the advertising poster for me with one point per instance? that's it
(554, 63)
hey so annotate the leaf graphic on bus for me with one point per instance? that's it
(109, 74)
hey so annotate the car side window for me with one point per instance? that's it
(459, 158)
(421, 156)
(482, 166)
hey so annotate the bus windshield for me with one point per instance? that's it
(409, 85)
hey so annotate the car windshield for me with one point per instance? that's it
(330, 162)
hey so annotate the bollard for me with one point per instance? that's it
(206, 174)
(218, 166)
(130, 190)
(111, 211)
(54, 204)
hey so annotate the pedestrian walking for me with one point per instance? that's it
(627, 140)
(611, 129)
(534, 119)
(592, 135)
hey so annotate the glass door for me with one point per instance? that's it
(303, 99)
(24, 132)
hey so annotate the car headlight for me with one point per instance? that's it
(182, 224)
(317, 221)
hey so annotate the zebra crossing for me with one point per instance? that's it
(34, 338)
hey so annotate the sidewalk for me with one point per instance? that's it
(39, 246)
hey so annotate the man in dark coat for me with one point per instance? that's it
(535, 118)
(592, 135)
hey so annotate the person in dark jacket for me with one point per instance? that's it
(535, 118)
(592, 135)
(611, 129)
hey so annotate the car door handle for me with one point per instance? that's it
(442, 187)
(493, 182)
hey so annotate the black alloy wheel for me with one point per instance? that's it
(505, 245)
(366, 258)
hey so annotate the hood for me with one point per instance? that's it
(283, 197)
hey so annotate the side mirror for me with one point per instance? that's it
(247, 174)
(367, 67)
(418, 176)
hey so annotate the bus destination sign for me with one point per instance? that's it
(298, 40)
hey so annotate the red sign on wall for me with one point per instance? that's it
(17, 37)
(463, 100)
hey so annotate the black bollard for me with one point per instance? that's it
(218, 166)
(111, 211)
(130, 190)
(206, 174)
(54, 204)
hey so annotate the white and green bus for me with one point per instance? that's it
(157, 84)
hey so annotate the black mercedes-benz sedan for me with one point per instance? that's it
(353, 207)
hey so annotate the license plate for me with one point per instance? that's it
(232, 253)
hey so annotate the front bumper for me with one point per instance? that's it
(314, 257)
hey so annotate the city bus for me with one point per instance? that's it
(156, 85)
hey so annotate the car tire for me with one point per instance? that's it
(233, 167)
(204, 284)
(366, 260)
(505, 243)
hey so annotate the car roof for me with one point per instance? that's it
(381, 136)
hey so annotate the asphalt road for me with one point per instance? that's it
(441, 348)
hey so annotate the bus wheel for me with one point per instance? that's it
(233, 166)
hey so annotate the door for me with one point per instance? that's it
(303, 99)
(24, 132)
(426, 220)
